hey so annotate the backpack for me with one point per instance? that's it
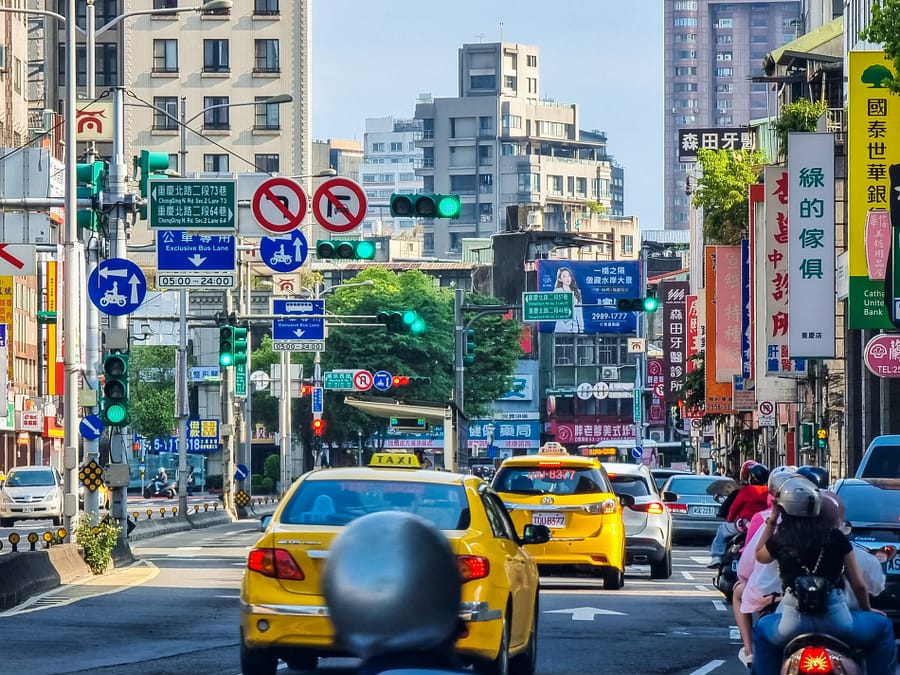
(811, 589)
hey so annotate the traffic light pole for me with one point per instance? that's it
(640, 365)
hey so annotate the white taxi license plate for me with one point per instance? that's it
(549, 519)
(27, 509)
(703, 510)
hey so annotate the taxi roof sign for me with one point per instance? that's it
(395, 460)
(552, 448)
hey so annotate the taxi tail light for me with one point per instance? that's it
(274, 562)
(605, 507)
(815, 660)
(473, 567)
(549, 465)
(653, 508)
(677, 508)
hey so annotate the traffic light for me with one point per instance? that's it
(318, 427)
(150, 165)
(306, 390)
(407, 321)
(91, 179)
(409, 380)
(821, 438)
(114, 403)
(360, 249)
(425, 206)
(469, 352)
(647, 304)
(232, 346)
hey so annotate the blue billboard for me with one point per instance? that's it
(597, 287)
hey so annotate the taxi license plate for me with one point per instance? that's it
(549, 519)
(703, 510)
(892, 566)
(27, 509)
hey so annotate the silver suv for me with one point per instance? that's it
(648, 523)
(31, 492)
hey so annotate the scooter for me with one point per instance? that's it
(822, 654)
(726, 575)
(156, 488)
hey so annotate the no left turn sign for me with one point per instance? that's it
(339, 205)
(279, 205)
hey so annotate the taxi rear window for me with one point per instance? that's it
(560, 480)
(338, 502)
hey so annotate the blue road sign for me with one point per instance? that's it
(637, 452)
(178, 251)
(241, 472)
(383, 380)
(318, 399)
(117, 286)
(91, 427)
(299, 327)
(285, 253)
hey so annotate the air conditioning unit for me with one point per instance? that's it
(656, 436)
(609, 373)
(585, 361)
(563, 361)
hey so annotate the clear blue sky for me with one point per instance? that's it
(372, 59)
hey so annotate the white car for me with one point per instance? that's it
(31, 492)
(648, 523)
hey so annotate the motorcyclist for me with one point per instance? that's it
(750, 499)
(817, 475)
(807, 543)
(393, 589)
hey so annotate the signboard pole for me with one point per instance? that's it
(641, 360)
(182, 407)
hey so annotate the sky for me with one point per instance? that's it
(373, 59)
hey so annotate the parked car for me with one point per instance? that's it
(872, 506)
(881, 459)
(31, 492)
(662, 475)
(648, 523)
(694, 512)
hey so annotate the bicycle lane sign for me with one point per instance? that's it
(284, 254)
(117, 286)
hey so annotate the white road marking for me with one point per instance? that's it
(708, 668)
(688, 576)
(734, 634)
(701, 560)
(720, 606)
(701, 587)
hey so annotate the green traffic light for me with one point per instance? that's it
(409, 317)
(448, 206)
(116, 414)
(650, 304)
(365, 250)
(417, 326)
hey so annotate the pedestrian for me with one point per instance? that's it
(190, 481)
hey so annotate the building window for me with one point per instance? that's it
(215, 56)
(529, 182)
(462, 184)
(377, 147)
(265, 7)
(724, 72)
(683, 71)
(396, 147)
(509, 81)
(106, 64)
(531, 60)
(173, 162)
(485, 155)
(165, 56)
(555, 185)
(486, 212)
(266, 114)
(563, 350)
(627, 244)
(486, 126)
(215, 163)
(165, 4)
(104, 11)
(267, 163)
(482, 82)
(512, 122)
(165, 118)
(267, 60)
(486, 183)
(216, 115)
(581, 187)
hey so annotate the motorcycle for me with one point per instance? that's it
(726, 575)
(820, 653)
(158, 488)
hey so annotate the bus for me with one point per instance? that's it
(654, 454)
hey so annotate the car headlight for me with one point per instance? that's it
(5, 498)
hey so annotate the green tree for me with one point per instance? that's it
(263, 405)
(884, 29)
(800, 115)
(722, 192)
(151, 396)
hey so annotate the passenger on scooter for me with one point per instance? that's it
(750, 499)
(744, 479)
(805, 543)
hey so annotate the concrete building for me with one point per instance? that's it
(712, 50)
(515, 160)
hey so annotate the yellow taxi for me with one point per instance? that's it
(283, 611)
(573, 497)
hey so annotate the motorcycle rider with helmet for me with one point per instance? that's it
(817, 475)
(750, 500)
(393, 588)
(806, 543)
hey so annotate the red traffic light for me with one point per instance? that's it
(318, 427)
(306, 390)
(400, 380)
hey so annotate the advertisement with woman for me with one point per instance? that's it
(596, 287)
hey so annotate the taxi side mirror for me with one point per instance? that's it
(669, 496)
(264, 522)
(626, 500)
(535, 534)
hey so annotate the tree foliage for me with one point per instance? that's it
(151, 396)
(884, 29)
(722, 192)
(799, 115)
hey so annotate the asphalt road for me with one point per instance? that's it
(177, 612)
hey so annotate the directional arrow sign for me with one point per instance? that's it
(305, 320)
(584, 613)
(189, 204)
(117, 286)
(183, 259)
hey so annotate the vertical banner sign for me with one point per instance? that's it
(728, 313)
(746, 310)
(811, 330)
(656, 383)
(6, 316)
(692, 336)
(673, 295)
(4, 355)
(873, 140)
(718, 394)
(53, 384)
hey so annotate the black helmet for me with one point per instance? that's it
(759, 474)
(816, 474)
(799, 497)
(392, 583)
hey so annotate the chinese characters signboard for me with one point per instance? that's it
(728, 312)
(718, 394)
(811, 245)
(674, 295)
(691, 140)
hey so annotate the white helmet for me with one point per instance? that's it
(778, 476)
(799, 497)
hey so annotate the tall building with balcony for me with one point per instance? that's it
(515, 160)
(712, 50)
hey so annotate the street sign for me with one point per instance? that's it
(279, 205)
(547, 306)
(637, 452)
(307, 326)
(188, 260)
(91, 427)
(318, 400)
(363, 380)
(339, 379)
(18, 260)
(766, 413)
(117, 286)
(339, 204)
(241, 472)
(209, 204)
(637, 407)
(284, 254)
(383, 380)
(240, 380)
(637, 345)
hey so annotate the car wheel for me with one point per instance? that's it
(302, 661)
(500, 665)
(525, 662)
(613, 578)
(258, 661)
(662, 569)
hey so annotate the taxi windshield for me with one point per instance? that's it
(338, 502)
(558, 480)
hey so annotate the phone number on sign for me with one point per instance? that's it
(189, 280)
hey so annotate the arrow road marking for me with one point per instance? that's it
(135, 282)
(197, 259)
(106, 272)
(585, 613)
(10, 258)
